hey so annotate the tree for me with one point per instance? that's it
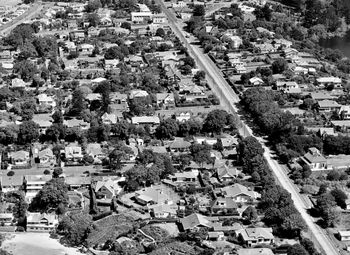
(126, 25)
(333, 175)
(75, 228)
(78, 103)
(160, 32)
(201, 153)
(250, 213)
(167, 129)
(340, 197)
(93, 19)
(53, 194)
(57, 172)
(297, 249)
(121, 152)
(215, 121)
(19, 35)
(10, 173)
(28, 132)
(25, 69)
(200, 75)
(93, 5)
(279, 66)
(198, 10)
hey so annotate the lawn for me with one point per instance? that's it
(9, 2)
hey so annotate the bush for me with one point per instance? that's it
(47, 172)
(11, 173)
(333, 176)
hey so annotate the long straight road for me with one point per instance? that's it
(228, 99)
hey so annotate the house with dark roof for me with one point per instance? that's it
(179, 145)
(223, 206)
(76, 182)
(225, 173)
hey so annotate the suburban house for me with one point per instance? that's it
(34, 183)
(343, 235)
(179, 145)
(95, 151)
(77, 182)
(223, 206)
(19, 158)
(255, 236)
(46, 101)
(163, 210)
(73, 152)
(10, 183)
(76, 123)
(165, 100)
(239, 193)
(145, 120)
(315, 160)
(109, 118)
(195, 220)
(179, 177)
(216, 236)
(344, 112)
(107, 189)
(226, 174)
(152, 195)
(325, 81)
(45, 157)
(85, 49)
(256, 81)
(37, 222)
(326, 106)
(6, 219)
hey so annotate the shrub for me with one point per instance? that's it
(11, 173)
(333, 175)
(47, 172)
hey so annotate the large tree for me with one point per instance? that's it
(167, 129)
(28, 132)
(51, 196)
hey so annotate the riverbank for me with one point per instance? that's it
(35, 243)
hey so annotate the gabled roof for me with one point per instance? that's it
(37, 217)
(228, 203)
(180, 144)
(238, 189)
(195, 220)
(225, 171)
(256, 233)
(328, 103)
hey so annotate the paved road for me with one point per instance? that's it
(228, 98)
(34, 10)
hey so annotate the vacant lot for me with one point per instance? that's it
(9, 2)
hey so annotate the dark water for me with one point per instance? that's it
(341, 43)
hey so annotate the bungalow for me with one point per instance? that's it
(315, 160)
(137, 93)
(287, 86)
(107, 189)
(6, 219)
(255, 236)
(45, 157)
(326, 106)
(19, 158)
(109, 118)
(226, 174)
(223, 206)
(344, 112)
(179, 145)
(111, 63)
(216, 236)
(290, 53)
(165, 100)
(44, 121)
(73, 152)
(163, 211)
(85, 49)
(207, 140)
(10, 183)
(152, 195)
(37, 222)
(77, 182)
(190, 177)
(71, 123)
(239, 193)
(183, 116)
(159, 18)
(93, 97)
(195, 221)
(118, 98)
(343, 235)
(145, 120)
(46, 101)
(256, 81)
(94, 150)
(318, 96)
(34, 183)
(325, 81)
